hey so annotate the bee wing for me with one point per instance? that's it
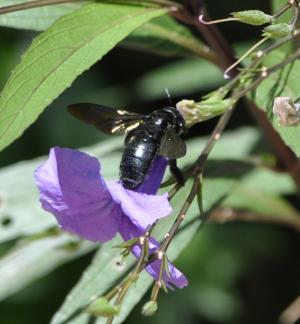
(172, 146)
(108, 120)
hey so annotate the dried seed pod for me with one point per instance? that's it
(287, 111)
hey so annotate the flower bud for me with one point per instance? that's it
(278, 30)
(150, 308)
(195, 112)
(102, 307)
(253, 17)
(287, 111)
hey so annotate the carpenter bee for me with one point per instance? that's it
(146, 137)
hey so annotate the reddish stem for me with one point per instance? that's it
(225, 54)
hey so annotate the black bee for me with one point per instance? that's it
(146, 136)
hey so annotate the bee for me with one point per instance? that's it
(146, 136)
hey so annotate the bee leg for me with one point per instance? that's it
(176, 172)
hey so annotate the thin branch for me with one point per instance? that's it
(196, 169)
(171, 233)
(227, 214)
(282, 10)
(295, 4)
(225, 58)
(197, 166)
(214, 137)
(41, 3)
(31, 4)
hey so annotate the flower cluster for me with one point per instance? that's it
(73, 190)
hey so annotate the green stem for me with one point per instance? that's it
(158, 283)
(282, 10)
(121, 290)
(169, 236)
(295, 4)
(265, 74)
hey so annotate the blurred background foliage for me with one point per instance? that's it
(238, 272)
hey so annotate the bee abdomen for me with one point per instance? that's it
(136, 161)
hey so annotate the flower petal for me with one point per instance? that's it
(72, 189)
(142, 209)
(177, 278)
(155, 176)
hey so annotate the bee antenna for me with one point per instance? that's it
(168, 95)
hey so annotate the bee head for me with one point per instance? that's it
(175, 119)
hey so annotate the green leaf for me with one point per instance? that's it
(284, 83)
(258, 191)
(266, 207)
(228, 147)
(58, 56)
(165, 36)
(182, 77)
(162, 36)
(31, 260)
(250, 198)
(104, 270)
(37, 19)
(266, 180)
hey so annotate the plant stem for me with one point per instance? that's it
(42, 3)
(121, 290)
(31, 4)
(171, 233)
(198, 165)
(227, 214)
(225, 58)
(158, 282)
(266, 73)
(294, 19)
(196, 169)
(250, 50)
(282, 10)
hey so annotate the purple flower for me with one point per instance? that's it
(73, 190)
